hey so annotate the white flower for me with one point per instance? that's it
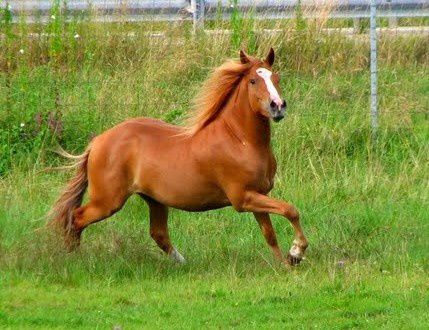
(53, 17)
(76, 36)
(232, 6)
(21, 51)
(22, 125)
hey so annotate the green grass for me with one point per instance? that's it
(367, 265)
(286, 300)
(363, 204)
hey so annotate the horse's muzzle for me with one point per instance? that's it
(278, 112)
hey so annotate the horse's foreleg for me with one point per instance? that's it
(159, 229)
(255, 202)
(269, 234)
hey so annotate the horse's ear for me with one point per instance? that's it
(244, 58)
(270, 57)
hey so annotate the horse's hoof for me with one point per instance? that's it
(177, 257)
(296, 253)
(293, 261)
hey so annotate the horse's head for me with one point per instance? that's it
(263, 87)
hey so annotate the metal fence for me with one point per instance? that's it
(200, 10)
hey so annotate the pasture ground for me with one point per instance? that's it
(366, 267)
(364, 205)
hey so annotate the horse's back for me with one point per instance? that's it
(137, 131)
(149, 126)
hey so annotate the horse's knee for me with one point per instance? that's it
(291, 213)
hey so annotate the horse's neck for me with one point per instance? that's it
(244, 123)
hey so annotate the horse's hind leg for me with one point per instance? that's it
(96, 210)
(159, 229)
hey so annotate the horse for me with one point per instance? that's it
(222, 157)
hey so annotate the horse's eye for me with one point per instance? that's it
(252, 81)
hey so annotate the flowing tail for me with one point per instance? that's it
(61, 214)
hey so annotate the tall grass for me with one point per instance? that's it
(87, 57)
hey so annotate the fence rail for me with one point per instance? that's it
(200, 10)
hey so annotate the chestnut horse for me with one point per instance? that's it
(222, 158)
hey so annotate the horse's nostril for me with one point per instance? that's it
(284, 104)
(273, 104)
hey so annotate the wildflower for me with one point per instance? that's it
(76, 36)
(232, 6)
(21, 51)
(22, 125)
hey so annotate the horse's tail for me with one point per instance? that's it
(61, 214)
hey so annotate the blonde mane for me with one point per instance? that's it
(215, 91)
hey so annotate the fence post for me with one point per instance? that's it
(373, 58)
(198, 8)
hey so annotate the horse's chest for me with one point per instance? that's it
(261, 176)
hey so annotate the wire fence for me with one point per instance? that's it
(200, 10)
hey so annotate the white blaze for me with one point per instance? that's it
(274, 94)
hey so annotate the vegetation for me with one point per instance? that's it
(363, 203)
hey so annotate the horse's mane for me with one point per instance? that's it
(215, 91)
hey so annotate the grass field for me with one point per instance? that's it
(364, 205)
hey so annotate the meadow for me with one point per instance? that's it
(363, 199)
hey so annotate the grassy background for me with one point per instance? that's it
(363, 205)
